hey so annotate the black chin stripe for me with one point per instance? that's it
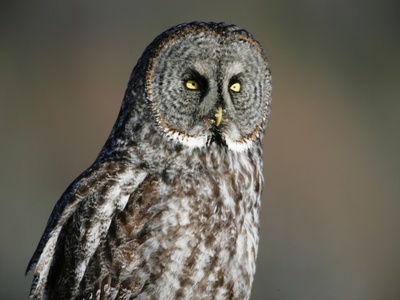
(216, 138)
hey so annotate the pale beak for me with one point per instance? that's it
(218, 116)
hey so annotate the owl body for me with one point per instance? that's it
(170, 208)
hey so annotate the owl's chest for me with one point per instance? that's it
(213, 195)
(204, 230)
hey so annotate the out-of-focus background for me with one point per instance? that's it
(331, 207)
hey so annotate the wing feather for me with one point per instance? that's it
(98, 193)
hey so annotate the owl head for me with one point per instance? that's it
(205, 84)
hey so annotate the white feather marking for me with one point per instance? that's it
(229, 203)
(189, 141)
(201, 141)
(238, 146)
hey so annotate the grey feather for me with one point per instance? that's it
(170, 208)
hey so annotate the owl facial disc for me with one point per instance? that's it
(202, 81)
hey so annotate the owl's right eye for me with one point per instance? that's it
(192, 85)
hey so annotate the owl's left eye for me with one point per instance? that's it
(192, 85)
(235, 87)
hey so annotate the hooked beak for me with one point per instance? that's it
(218, 116)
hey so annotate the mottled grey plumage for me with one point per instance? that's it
(170, 208)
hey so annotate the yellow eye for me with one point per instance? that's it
(235, 87)
(192, 85)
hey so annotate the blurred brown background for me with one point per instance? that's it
(331, 207)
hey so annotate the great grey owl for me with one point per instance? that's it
(170, 208)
